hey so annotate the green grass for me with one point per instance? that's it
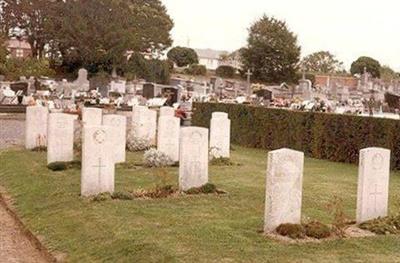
(185, 229)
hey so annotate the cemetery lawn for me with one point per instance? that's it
(185, 229)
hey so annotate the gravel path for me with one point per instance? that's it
(14, 245)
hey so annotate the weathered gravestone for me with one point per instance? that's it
(36, 127)
(60, 142)
(82, 83)
(98, 165)
(144, 123)
(220, 135)
(193, 158)
(168, 136)
(373, 184)
(284, 188)
(118, 123)
(92, 116)
(167, 111)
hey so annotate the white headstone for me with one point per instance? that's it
(98, 165)
(60, 142)
(220, 135)
(92, 116)
(144, 123)
(82, 82)
(373, 184)
(216, 115)
(284, 188)
(118, 86)
(118, 123)
(168, 136)
(36, 127)
(167, 111)
(193, 158)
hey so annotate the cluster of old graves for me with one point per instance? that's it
(104, 145)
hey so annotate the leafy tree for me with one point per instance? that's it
(322, 62)
(153, 70)
(272, 52)
(3, 49)
(96, 34)
(373, 66)
(183, 56)
(27, 18)
(196, 70)
(388, 74)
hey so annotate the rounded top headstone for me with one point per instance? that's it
(221, 115)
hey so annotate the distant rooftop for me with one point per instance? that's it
(210, 53)
(18, 44)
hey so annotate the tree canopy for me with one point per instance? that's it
(91, 33)
(183, 56)
(371, 65)
(388, 74)
(322, 62)
(272, 52)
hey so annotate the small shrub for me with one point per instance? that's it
(122, 196)
(383, 226)
(158, 192)
(155, 158)
(205, 189)
(101, 197)
(294, 231)
(225, 71)
(135, 144)
(221, 162)
(196, 70)
(317, 230)
(340, 220)
(57, 166)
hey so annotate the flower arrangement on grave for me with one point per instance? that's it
(137, 144)
(155, 158)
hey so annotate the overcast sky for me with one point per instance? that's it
(347, 28)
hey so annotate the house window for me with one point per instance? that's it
(19, 53)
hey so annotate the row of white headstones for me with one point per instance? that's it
(284, 186)
(104, 142)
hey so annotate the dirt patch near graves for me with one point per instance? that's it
(17, 243)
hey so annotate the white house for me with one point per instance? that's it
(210, 58)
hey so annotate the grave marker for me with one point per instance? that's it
(193, 158)
(168, 136)
(284, 188)
(220, 135)
(98, 165)
(60, 143)
(36, 127)
(92, 116)
(373, 184)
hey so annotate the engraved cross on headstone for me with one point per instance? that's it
(99, 166)
(375, 195)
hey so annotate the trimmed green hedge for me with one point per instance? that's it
(319, 135)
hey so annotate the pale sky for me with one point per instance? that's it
(347, 28)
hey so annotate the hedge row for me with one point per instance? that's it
(319, 135)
